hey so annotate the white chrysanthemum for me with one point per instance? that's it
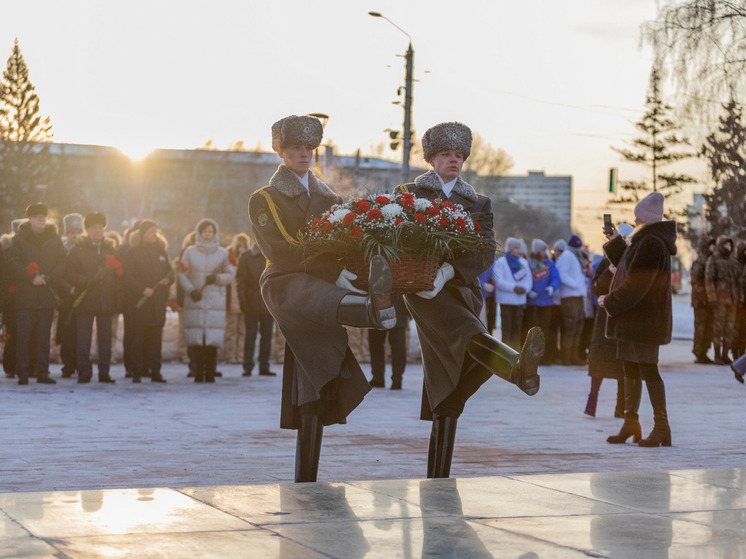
(338, 215)
(391, 210)
(421, 204)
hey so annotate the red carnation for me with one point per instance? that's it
(32, 269)
(382, 200)
(362, 206)
(114, 264)
(477, 227)
(315, 223)
(232, 260)
(420, 218)
(326, 228)
(447, 204)
(432, 211)
(460, 224)
(356, 233)
(443, 222)
(407, 201)
(349, 218)
(398, 221)
(375, 213)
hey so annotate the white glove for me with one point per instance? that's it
(344, 280)
(445, 273)
(488, 287)
(550, 290)
(532, 294)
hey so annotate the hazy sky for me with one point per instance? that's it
(553, 83)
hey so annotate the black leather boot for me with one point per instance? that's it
(503, 361)
(308, 448)
(718, 359)
(442, 439)
(661, 433)
(375, 309)
(590, 405)
(631, 426)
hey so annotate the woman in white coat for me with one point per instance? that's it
(513, 280)
(205, 273)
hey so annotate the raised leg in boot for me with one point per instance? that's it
(661, 433)
(442, 439)
(373, 310)
(308, 448)
(590, 406)
(503, 361)
(632, 393)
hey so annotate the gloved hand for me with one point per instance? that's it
(488, 287)
(445, 273)
(344, 280)
(532, 294)
(518, 289)
(195, 295)
(211, 279)
(550, 290)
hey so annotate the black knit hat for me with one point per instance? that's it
(94, 218)
(146, 224)
(37, 208)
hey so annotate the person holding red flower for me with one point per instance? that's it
(458, 354)
(37, 261)
(312, 300)
(96, 273)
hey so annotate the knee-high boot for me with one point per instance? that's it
(442, 439)
(373, 310)
(661, 433)
(308, 448)
(631, 426)
(503, 361)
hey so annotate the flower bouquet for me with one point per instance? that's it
(414, 234)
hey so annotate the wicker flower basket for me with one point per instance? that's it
(411, 273)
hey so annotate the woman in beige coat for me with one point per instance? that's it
(205, 273)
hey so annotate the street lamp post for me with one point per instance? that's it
(407, 132)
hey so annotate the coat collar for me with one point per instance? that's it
(431, 181)
(285, 181)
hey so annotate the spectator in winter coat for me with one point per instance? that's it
(703, 311)
(640, 316)
(740, 343)
(148, 276)
(552, 354)
(204, 276)
(95, 272)
(235, 325)
(546, 281)
(723, 285)
(65, 337)
(36, 262)
(489, 313)
(573, 290)
(513, 281)
(257, 318)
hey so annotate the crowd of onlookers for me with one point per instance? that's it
(66, 284)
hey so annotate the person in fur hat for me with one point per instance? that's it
(458, 354)
(703, 311)
(37, 262)
(312, 302)
(639, 312)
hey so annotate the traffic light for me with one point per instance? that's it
(394, 135)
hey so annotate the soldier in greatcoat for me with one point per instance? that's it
(322, 381)
(458, 354)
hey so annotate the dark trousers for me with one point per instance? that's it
(127, 343)
(146, 350)
(377, 345)
(9, 350)
(536, 316)
(511, 321)
(205, 361)
(552, 335)
(491, 306)
(263, 325)
(84, 338)
(66, 336)
(573, 320)
(33, 329)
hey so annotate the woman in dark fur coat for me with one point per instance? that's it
(640, 319)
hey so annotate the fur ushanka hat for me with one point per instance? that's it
(296, 130)
(447, 136)
(72, 222)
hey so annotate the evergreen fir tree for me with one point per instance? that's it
(725, 151)
(25, 161)
(660, 146)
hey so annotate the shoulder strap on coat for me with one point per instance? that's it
(276, 216)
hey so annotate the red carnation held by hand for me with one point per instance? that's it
(32, 269)
(114, 264)
(232, 260)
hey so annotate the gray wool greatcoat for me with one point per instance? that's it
(319, 372)
(204, 320)
(447, 323)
